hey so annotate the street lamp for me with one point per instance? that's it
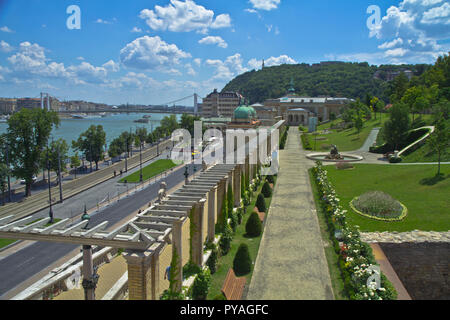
(186, 175)
(140, 160)
(85, 217)
(49, 187)
(9, 177)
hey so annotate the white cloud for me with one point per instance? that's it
(136, 30)
(198, 61)
(412, 30)
(214, 40)
(228, 69)
(272, 61)
(179, 16)
(190, 69)
(111, 66)
(80, 58)
(265, 4)
(151, 53)
(101, 21)
(6, 29)
(5, 47)
(88, 72)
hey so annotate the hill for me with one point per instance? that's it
(337, 79)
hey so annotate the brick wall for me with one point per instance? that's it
(423, 268)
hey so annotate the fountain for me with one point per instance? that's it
(334, 156)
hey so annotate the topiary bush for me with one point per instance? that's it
(220, 296)
(201, 285)
(225, 240)
(270, 179)
(253, 227)
(242, 263)
(266, 190)
(261, 203)
(212, 260)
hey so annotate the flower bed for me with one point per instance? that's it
(356, 261)
(379, 206)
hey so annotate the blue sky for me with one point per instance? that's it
(152, 52)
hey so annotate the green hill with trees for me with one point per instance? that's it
(337, 79)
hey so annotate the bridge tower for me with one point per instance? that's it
(195, 104)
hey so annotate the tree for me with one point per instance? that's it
(27, 136)
(253, 227)
(169, 124)
(140, 136)
(399, 86)
(242, 263)
(4, 173)
(397, 127)
(91, 143)
(128, 139)
(187, 122)
(266, 190)
(117, 147)
(332, 118)
(439, 140)
(201, 285)
(373, 103)
(261, 203)
(378, 107)
(75, 163)
(58, 149)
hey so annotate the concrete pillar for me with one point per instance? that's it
(139, 274)
(220, 194)
(237, 186)
(212, 214)
(177, 241)
(155, 276)
(197, 237)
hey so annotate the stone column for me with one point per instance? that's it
(155, 276)
(138, 274)
(197, 237)
(220, 194)
(177, 241)
(89, 282)
(212, 214)
(237, 186)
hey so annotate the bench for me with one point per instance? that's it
(233, 287)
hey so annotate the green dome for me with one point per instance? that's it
(244, 112)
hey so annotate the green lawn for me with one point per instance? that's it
(150, 171)
(346, 140)
(427, 200)
(425, 154)
(226, 262)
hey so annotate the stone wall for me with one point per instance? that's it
(165, 258)
(423, 268)
(186, 241)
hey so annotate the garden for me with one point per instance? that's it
(351, 262)
(149, 171)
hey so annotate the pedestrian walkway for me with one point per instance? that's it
(291, 263)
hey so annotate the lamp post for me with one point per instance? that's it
(140, 161)
(9, 177)
(186, 175)
(90, 154)
(49, 187)
(59, 177)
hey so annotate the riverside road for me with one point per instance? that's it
(29, 261)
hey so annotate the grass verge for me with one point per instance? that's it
(149, 171)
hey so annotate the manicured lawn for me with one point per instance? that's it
(346, 140)
(150, 171)
(427, 200)
(226, 262)
(337, 281)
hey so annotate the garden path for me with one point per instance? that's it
(291, 263)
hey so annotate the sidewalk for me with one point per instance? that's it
(291, 263)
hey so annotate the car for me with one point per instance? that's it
(22, 181)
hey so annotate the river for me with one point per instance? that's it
(113, 124)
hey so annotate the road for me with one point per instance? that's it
(29, 261)
(39, 201)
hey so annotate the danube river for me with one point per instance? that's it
(113, 124)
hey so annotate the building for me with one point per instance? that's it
(7, 106)
(220, 104)
(244, 117)
(297, 110)
(28, 103)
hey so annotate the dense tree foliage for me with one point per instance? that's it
(351, 80)
(91, 143)
(27, 137)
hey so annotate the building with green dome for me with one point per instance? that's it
(244, 117)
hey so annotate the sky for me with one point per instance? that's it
(156, 52)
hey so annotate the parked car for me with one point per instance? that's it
(22, 181)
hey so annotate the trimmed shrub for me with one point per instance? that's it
(261, 203)
(242, 263)
(270, 179)
(239, 215)
(266, 190)
(234, 221)
(201, 285)
(395, 159)
(225, 240)
(306, 142)
(212, 260)
(253, 227)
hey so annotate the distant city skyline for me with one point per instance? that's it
(153, 52)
